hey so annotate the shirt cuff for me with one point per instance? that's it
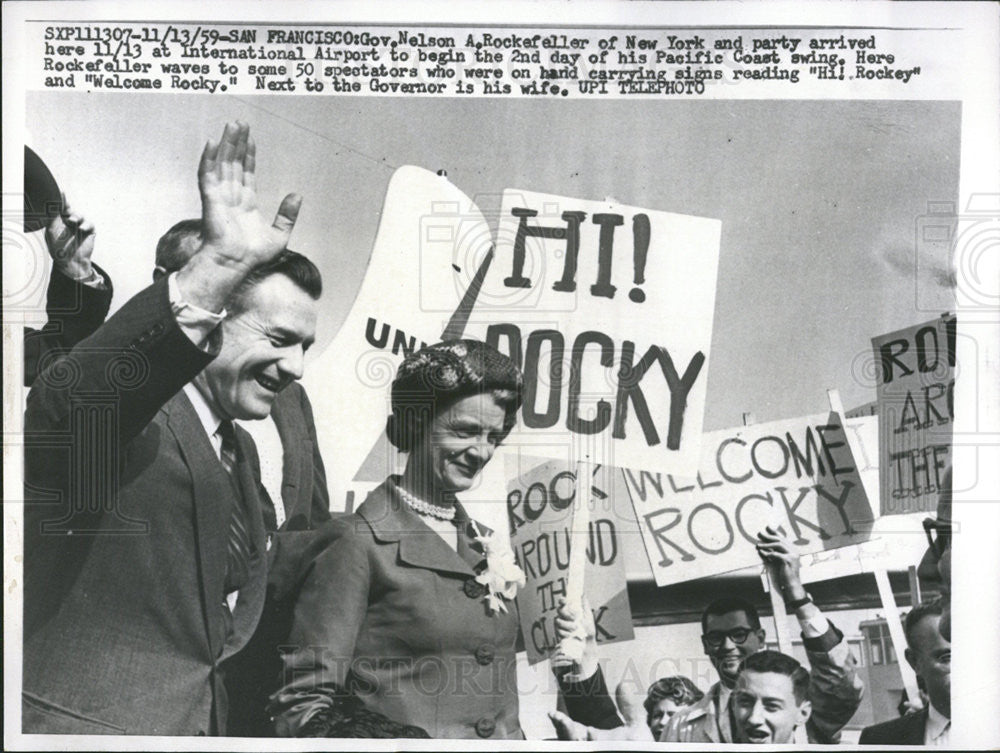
(812, 621)
(195, 322)
(94, 280)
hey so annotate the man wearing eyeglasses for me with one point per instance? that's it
(731, 631)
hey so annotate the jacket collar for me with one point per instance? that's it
(296, 450)
(707, 715)
(391, 520)
(207, 415)
(706, 706)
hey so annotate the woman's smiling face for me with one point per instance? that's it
(459, 442)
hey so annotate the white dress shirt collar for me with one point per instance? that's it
(209, 418)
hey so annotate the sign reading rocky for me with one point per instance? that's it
(540, 508)
(797, 475)
(916, 408)
(608, 310)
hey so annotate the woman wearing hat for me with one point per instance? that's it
(410, 611)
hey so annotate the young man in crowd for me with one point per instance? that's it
(731, 632)
(770, 699)
(930, 656)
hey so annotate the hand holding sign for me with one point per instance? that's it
(782, 562)
(575, 627)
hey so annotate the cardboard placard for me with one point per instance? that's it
(915, 395)
(541, 500)
(797, 475)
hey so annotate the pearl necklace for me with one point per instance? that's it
(425, 508)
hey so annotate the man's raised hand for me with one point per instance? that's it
(235, 236)
(234, 231)
(782, 562)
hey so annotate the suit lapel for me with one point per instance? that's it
(212, 499)
(293, 441)
(914, 732)
(391, 520)
(469, 549)
(251, 491)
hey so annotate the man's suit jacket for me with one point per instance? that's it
(908, 729)
(74, 311)
(834, 691)
(254, 674)
(126, 529)
(303, 477)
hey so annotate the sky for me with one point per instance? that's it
(821, 203)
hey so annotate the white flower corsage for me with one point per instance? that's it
(502, 577)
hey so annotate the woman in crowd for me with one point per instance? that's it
(665, 697)
(411, 611)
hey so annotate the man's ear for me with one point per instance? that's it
(805, 711)
(706, 648)
(911, 657)
(762, 636)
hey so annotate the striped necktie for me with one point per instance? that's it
(238, 551)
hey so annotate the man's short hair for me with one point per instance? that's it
(678, 689)
(916, 615)
(176, 246)
(782, 664)
(729, 604)
(292, 265)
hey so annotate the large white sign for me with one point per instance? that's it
(608, 309)
(411, 292)
(797, 475)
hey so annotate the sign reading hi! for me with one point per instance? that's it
(608, 310)
(797, 475)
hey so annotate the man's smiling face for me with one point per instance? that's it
(728, 639)
(263, 348)
(765, 708)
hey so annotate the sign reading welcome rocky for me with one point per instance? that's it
(797, 475)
